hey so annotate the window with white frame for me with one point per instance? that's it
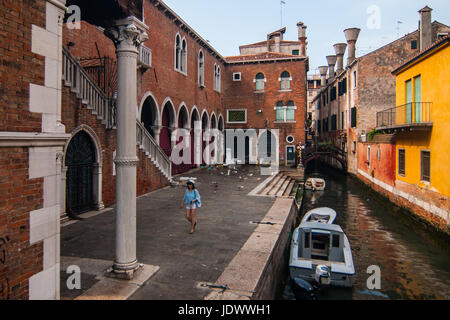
(217, 77)
(177, 52)
(260, 82)
(237, 116)
(201, 69)
(183, 57)
(237, 76)
(285, 113)
(285, 80)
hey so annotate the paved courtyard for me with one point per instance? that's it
(162, 236)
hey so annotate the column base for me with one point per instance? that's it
(124, 272)
(99, 206)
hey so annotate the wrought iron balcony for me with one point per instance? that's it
(145, 57)
(411, 115)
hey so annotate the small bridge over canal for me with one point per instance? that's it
(324, 153)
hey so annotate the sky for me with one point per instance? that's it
(231, 23)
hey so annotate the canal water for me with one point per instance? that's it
(414, 260)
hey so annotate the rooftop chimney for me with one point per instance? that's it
(339, 48)
(352, 36)
(302, 38)
(323, 75)
(425, 28)
(331, 63)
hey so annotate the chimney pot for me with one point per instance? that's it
(425, 28)
(351, 35)
(339, 48)
(323, 75)
(302, 37)
(331, 63)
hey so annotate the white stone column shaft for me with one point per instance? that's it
(127, 38)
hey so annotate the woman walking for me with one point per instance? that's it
(192, 201)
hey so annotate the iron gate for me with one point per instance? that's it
(80, 160)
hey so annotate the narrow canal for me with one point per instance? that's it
(414, 261)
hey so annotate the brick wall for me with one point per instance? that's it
(18, 196)
(241, 94)
(149, 178)
(383, 169)
(85, 39)
(18, 65)
(376, 83)
(164, 81)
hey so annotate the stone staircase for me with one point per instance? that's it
(281, 186)
(104, 107)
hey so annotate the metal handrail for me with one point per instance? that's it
(409, 113)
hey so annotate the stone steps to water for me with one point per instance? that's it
(282, 191)
(269, 186)
(280, 186)
(276, 188)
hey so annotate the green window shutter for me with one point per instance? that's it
(295, 52)
(408, 101)
(418, 99)
(354, 117)
(333, 122)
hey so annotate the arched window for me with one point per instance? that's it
(259, 82)
(201, 69)
(279, 111)
(285, 113)
(217, 77)
(290, 111)
(177, 52)
(285, 80)
(183, 62)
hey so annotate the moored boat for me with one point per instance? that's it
(315, 184)
(322, 215)
(321, 253)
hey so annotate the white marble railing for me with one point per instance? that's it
(145, 56)
(88, 91)
(105, 108)
(146, 142)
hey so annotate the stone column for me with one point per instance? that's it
(127, 35)
(99, 205)
(157, 132)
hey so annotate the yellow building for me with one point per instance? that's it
(421, 122)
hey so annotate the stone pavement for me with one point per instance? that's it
(162, 236)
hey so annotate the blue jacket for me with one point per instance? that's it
(190, 196)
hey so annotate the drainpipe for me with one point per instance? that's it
(351, 35)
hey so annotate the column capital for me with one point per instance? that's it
(127, 34)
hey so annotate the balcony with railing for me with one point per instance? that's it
(414, 115)
(145, 57)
